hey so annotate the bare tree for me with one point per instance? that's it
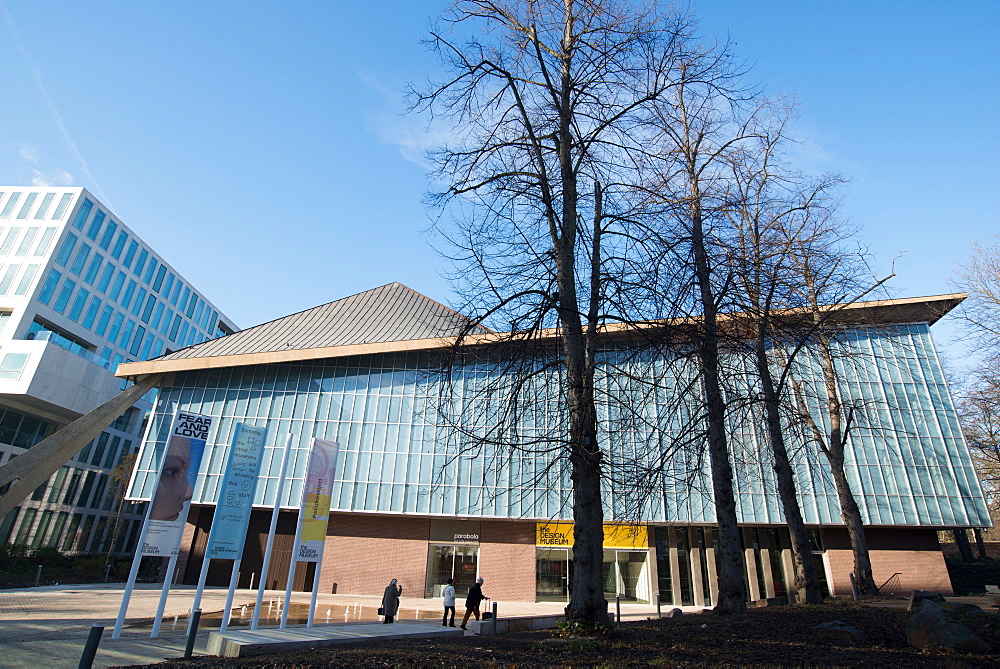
(550, 103)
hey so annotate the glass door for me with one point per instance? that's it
(553, 570)
(455, 562)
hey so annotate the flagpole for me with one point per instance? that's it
(270, 535)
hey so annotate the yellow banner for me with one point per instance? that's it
(552, 535)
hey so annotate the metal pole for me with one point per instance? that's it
(618, 608)
(262, 580)
(658, 605)
(202, 577)
(168, 581)
(38, 575)
(90, 650)
(192, 634)
(227, 612)
(315, 592)
(291, 570)
(494, 618)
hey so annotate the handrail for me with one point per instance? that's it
(889, 579)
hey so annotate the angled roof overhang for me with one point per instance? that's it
(394, 318)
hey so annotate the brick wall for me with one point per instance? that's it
(913, 553)
(507, 560)
(364, 553)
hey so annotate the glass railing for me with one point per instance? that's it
(71, 346)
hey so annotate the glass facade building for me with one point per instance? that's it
(81, 293)
(412, 451)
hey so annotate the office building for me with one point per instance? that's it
(80, 292)
(410, 503)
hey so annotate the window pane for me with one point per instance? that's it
(8, 241)
(43, 208)
(78, 304)
(95, 225)
(66, 249)
(109, 233)
(82, 214)
(26, 279)
(80, 260)
(64, 294)
(8, 277)
(61, 207)
(49, 287)
(9, 207)
(29, 236)
(30, 200)
(43, 243)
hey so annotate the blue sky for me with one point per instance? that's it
(271, 135)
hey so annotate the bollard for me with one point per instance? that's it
(494, 618)
(90, 650)
(193, 634)
(107, 571)
(38, 575)
(658, 606)
(618, 608)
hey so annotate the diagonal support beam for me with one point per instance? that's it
(34, 467)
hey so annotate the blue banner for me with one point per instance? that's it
(236, 490)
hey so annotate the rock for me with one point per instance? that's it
(956, 608)
(674, 613)
(918, 596)
(932, 627)
(839, 631)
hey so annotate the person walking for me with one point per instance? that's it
(473, 600)
(390, 601)
(449, 603)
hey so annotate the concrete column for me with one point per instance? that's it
(751, 566)
(34, 467)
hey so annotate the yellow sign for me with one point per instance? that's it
(551, 535)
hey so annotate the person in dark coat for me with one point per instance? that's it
(390, 601)
(472, 602)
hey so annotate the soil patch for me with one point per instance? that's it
(770, 636)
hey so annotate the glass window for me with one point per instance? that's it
(95, 225)
(116, 252)
(184, 299)
(157, 348)
(61, 207)
(102, 325)
(183, 335)
(9, 207)
(8, 277)
(78, 304)
(95, 305)
(25, 208)
(129, 291)
(141, 262)
(173, 328)
(158, 281)
(109, 271)
(66, 249)
(146, 346)
(198, 310)
(140, 299)
(29, 236)
(8, 241)
(4, 318)
(148, 310)
(127, 333)
(80, 260)
(82, 214)
(149, 271)
(116, 288)
(137, 340)
(169, 283)
(11, 365)
(26, 279)
(43, 208)
(64, 294)
(94, 268)
(50, 286)
(176, 292)
(157, 314)
(130, 254)
(108, 235)
(116, 327)
(43, 243)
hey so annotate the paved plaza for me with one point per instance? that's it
(48, 626)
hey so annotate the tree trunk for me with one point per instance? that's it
(964, 548)
(850, 513)
(728, 554)
(980, 544)
(806, 580)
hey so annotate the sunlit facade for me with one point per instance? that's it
(418, 498)
(80, 293)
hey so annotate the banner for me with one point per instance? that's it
(317, 489)
(175, 485)
(236, 490)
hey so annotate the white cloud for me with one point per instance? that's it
(29, 153)
(57, 178)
